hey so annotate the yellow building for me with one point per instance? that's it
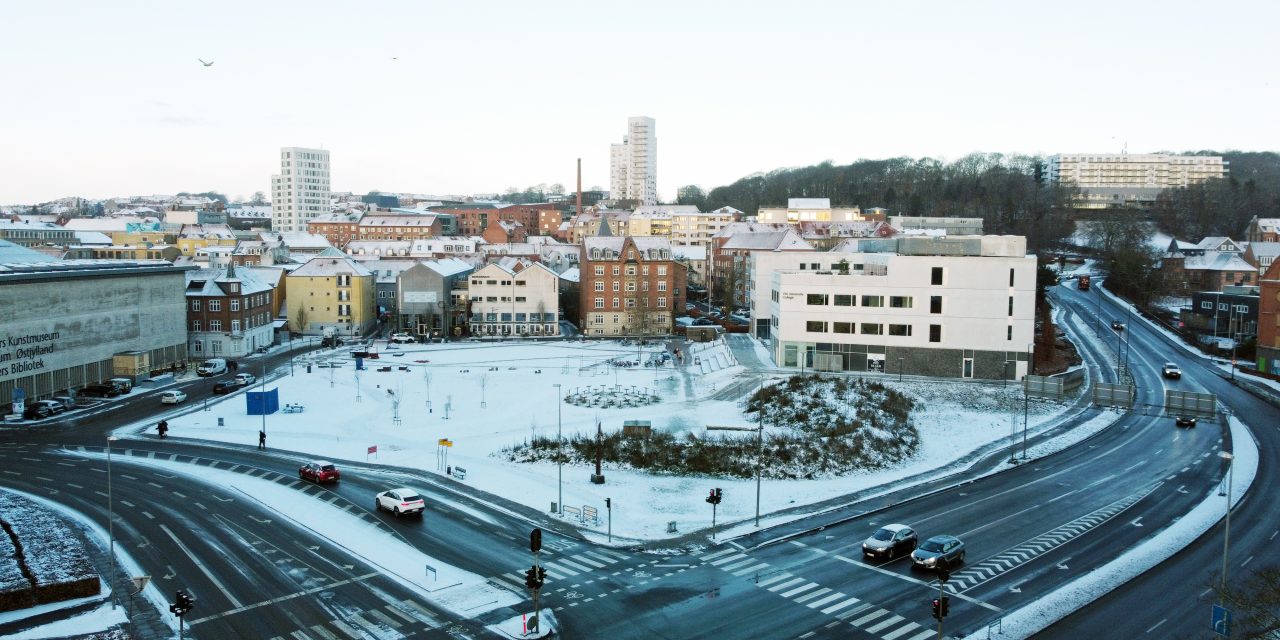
(331, 293)
(199, 236)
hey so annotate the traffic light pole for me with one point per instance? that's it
(941, 594)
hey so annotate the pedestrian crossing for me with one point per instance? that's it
(389, 622)
(844, 607)
(565, 568)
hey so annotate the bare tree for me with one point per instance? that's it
(1255, 604)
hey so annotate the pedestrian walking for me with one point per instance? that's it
(163, 428)
(262, 440)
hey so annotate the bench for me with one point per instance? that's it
(293, 408)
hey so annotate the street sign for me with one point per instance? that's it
(1190, 403)
(444, 442)
(140, 583)
(1221, 621)
(1114, 395)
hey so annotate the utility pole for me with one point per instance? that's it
(759, 447)
(1026, 397)
(1226, 535)
(559, 454)
(111, 522)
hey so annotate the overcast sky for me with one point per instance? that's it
(101, 99)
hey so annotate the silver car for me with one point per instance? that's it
(890, 541)
(938, 551)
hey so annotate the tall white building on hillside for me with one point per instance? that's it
(633, 165)
(300, 191)
(1120, 179)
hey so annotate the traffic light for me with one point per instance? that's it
(531, 578)
(714, 497)
(946, 601)
(542, 576)
(182, 603)
(535, 540)
(943, 574)
(937, 609)
(608, 504)
(718, 496)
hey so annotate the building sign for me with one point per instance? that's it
(428, 297)
(875, 362)
(142, 227)
(21, 353)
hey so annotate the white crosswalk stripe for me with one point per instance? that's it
(422, 613)
(811, 595)
(893, 635)
(737, 565)
(772, 579)
(323, 633)
(567, 562)
(585, 559)
(825, 599)
(719, 553)
(869, 617)
(840, 605)
(758, 567)
(885, 624)
(731, 558)
(786, 585)
(923, 635)
(799, 589)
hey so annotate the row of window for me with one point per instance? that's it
(864, 328)
(872, 301)
(500, 299)
(215, 304)
(599, 318)
(631, 286)
(630, 303)
(256, 320)
(1223, 306)
(520, 317)
(631, 270)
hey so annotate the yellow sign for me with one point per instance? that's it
(445, 442)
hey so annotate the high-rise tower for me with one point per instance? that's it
(300, 191)
(633, 165)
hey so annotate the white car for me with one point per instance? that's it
(401, 338)
(173, 396)
(245, 379)
(402, 502)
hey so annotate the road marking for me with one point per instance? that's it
(291, 596)
(824, 599)
(1153, 627)
(769, 581)
(200, 565)
(72, 484)
(718, 554)
(1135, 466)
(148, 515)
(1247, 561)
(885, 624)
(798, 589)
(738, 565)
(790, 583)
(841, 605)
(743, 572)
(347, 629)
(869, 617)
(922, 583)
(1273, 535)
(384, 618)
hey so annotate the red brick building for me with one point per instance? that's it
(1269, 320)
(629, 286)
(505, 232)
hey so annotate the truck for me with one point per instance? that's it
(1083, 283)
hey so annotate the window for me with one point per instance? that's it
(662, 270)
(1010, 306)
(1203, 305)
(662, 285)
(198, 346)
(816, 299)
(844, 300)
(815, 326)
(871, 329)
(215, 325)
(935, 333)
(216, 305)
(631, 269)
(631, 286)
(662, 302)
(644, 271)
(505, 317)
(815, 266)
(937, 276)
(344, 310)
(615, 303)
(235, 326)
(1222, 306)
(617, 270)
(1008, 332)
(900, 330)
(599, 303)
(599, 270)
(1240, 308)
(599, 285)
(900, 302)
(195, 325)
(873, 301)
(935, 304)
(842, 327)
(195, 306)
(616, 285)
(520, 298)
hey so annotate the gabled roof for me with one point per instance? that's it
(750, 227)
(1217, 261)
(448, 266)
(203, 282)
(1218, 243)
(768, 241)
(331, 266)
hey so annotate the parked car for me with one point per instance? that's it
(99, 391)
(319, 472)
(948, 550)
(42, 409)
(1117, 325)
(402, 502)
(402, 338)
(212, 367)
(1171, 370)
(173, 396)
(125, 385)
(67, 402)
(890, 541)
(245, 379)
(226, 386)
(1185, 421)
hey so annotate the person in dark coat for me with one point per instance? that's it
(262, 440)
(163, 428)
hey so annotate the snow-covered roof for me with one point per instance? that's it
(106, 225)
(1264, 249)
(11, 253)
(206, 232)
(667, 209)
(324, 267)
(510, 248)
(1217, 261)
(768, 241)
(693, 253)
(298, 239)
(93, 238)
(1269, 225)
(203, 282)
(614, 243)
(572, 274)
(448, 266)
(808, 203)
(386, 271)
(380, 220)
(749, 227)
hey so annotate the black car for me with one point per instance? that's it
(100, 391)
(1186, 421)
(890, 541)
(227, 386)
(1117, 325)
(36, 412)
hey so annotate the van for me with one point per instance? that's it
(99, 391)
(212, 367)
(125, 385)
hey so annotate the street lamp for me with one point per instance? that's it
(559, 456)
(111, 521)
(760, 447)
(1226, 536)
(900, 359)
(1026, 396)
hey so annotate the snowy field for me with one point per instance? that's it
(484, 397)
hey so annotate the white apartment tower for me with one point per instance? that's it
(300, 191)
(633, 165)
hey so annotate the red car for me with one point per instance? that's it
(319, 472)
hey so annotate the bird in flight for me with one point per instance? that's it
(207, 64)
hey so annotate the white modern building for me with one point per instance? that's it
(809, 210)
(959, 306)
(1120, 179)
(633, 165)
(514, 297)
(300, 191)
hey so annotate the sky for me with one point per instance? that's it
(109, 99)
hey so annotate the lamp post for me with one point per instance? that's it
(1226, 536)
(559, 457)
(759, 448)
(111, 521)
(900, 360)
(1026, 396)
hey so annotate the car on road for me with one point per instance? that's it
(1171, 370)
(212, 367)
(173, 396)
(402, 502)
(401, 338)
(1185, 421)
(99, 391)
(226, 386)
(890, 541)
(319, 472)
(938, 550)
(1117, 325)
(245, 379)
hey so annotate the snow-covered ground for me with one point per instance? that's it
(484, 397)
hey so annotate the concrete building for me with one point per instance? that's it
(72, 323)
(1122, 179)
(948, 226)
(228, 313)
(808, 210)
(300, 191)
(961, 306)
(331, 294)
(513, 296)
(633, 165)
(1230, 313)
(433, 298)
(30, 234)
(629, 286)
(729, 276)
(696, 228)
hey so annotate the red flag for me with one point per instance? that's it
(373, 449)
